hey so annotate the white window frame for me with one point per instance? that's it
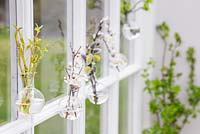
(21, 14)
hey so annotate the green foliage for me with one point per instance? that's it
(127, 7)
(4, 31)
(5, 75)
(147, 4)
(33, 46)
(171, 114)
(92, 4)
(163, 30)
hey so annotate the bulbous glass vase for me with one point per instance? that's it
(131, 30)
(71, 107)
(97, 97)
(30, 100)
(118, 60)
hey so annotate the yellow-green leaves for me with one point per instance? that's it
(146, 4)
(38, 29)
(125, 7)
(29, 63)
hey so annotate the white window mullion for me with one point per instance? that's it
(135, 87)
(131, 90)
(13, 63)
(77, 30)
(109, 113)
(69, 40)
(25, 20)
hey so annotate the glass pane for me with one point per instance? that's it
(92, 118)
(94, 14)
(123, 92)
(123, 107)
(52, 15)
(55, 125)
(4, 62)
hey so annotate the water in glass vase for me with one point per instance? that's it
(71, 107)
(97, 96)
(30, 100)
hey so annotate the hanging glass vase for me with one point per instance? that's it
(96, 96)
(71, 106)
(131, 30)
(118, 61)
(30, 100)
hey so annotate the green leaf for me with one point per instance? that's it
(176, 89)
(146, 6)
(177, 38)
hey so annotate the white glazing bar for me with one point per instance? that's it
(16, 127)
(109, 113)
(13, 60)
(77, 16)
(79, 39)
(25, 20)
(131, 89)
(24, 13)
(69, 41)
(137, 49)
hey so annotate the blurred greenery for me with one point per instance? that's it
(4, 75)
(55, 125)
(171, 112)
(123, 107)
(92, 118)
(49, 80)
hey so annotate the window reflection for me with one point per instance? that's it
(4, 62)
(52, 15)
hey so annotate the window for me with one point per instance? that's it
(64, 21)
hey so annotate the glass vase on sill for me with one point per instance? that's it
(71, 105)
(30, 100)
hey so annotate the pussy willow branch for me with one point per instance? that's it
(93, 77)
(61, 28)
(109, 51)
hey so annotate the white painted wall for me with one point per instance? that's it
(143, 51)
(183, 16)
